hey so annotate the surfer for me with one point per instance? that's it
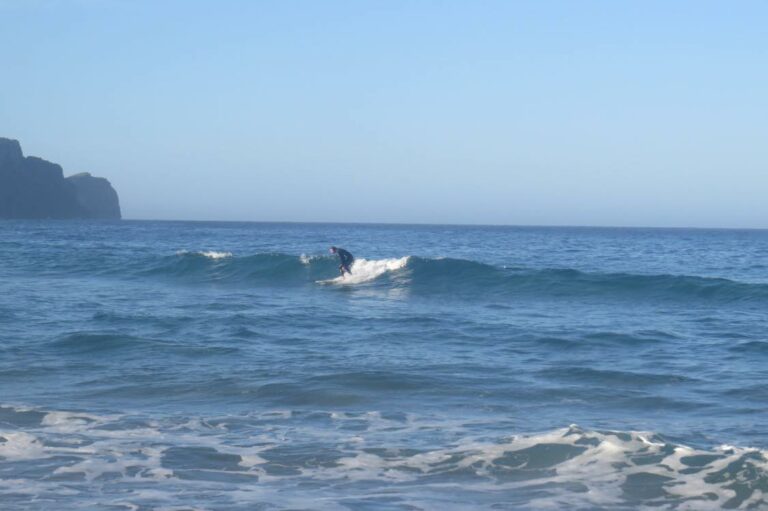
(346, 259)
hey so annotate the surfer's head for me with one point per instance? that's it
(333, 250)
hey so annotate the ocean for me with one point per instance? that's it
(223, 366)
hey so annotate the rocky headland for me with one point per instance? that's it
(31, 187)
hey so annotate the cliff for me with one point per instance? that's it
(31, 187)
(96, 196)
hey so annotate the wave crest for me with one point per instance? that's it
(441, 276)
(210, 254)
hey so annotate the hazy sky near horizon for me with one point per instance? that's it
(648, 113)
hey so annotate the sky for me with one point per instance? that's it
(540, 112)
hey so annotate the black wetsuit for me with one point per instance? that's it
(346, 260)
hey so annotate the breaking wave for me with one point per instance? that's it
(363, 270)
(284, 458)
(414, 274)
(210, 254)
(446, 276)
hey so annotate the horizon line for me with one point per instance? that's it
(449, 224)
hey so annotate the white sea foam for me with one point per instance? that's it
(364, 270)
(210, 254)
(20, 446)
(216, 255)
(307, 259)
(563, 468)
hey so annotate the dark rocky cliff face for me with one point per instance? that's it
(31, 187)
(96, 196)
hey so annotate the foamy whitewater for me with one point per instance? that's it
(228, 366)
(363, 270)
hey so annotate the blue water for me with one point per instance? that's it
(219, 366)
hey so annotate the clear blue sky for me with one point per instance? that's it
(651, 113)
